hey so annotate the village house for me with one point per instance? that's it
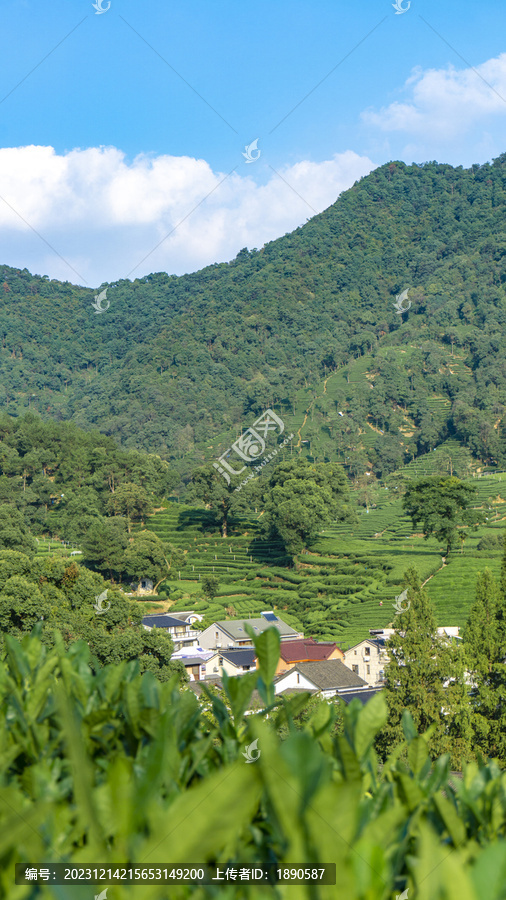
(232, 632)
(235, 661)
(182, 633)
(187, 616)
(445, 631)
(306, 650)
(368, 660)
(194, 660)
(195, 667)
(144, 586)
(329, 677)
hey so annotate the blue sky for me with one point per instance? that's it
(123, 132)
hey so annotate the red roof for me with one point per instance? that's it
(307, 650)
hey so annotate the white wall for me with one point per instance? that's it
(291, 680)
(370, 665)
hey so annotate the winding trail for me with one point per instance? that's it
(442, 566)
(314, 401)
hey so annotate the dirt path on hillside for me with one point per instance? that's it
(442, 566)
(302, 426)
(311, 404)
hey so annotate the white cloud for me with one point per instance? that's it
(446, 102)
(103, 215)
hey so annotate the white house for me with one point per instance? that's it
(235, 661)
(187, 616)
(329, 677)
(182, 633)
(194, 660)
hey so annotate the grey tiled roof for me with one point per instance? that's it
(240, 656)
(235, 627)
(328, 674)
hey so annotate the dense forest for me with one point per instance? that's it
(57, 480)
(176, 362)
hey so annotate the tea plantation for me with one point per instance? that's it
(348, 581)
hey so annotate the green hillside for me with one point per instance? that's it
(307, 325)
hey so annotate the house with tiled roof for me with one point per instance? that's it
(182, 633)
(306, 650)
(329, 677)
(194, 660)
(235, 661)
(187, 616)
(232, 632)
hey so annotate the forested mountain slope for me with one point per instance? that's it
(176, 363)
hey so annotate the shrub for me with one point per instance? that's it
(491, 542)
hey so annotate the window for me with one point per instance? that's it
(220, 660)
(354, 669)
(216, 634)
(355, 652)
(368, 670)
(367, 651)
(298, 678)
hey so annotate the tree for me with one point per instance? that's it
(14, 534)
(485, 652)
(149, 557)
(389, 456)
(105, 544)
(300, 498)
(151, 650)
(210, 487)
(424, 676)
(368, 490)
(442, 507)
(76, 512)
(131, 501)
(12, 562)
(21, 605)
(210, 585)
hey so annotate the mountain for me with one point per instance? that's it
(307, 325)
